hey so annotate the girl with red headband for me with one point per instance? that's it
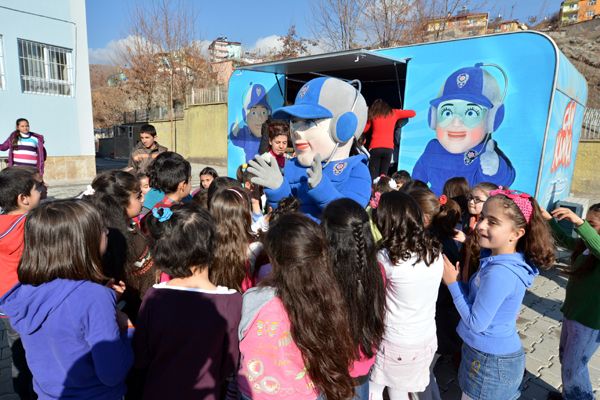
(515, 240)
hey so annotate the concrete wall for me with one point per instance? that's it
(201, 134)
(65, 121)
(586, 177)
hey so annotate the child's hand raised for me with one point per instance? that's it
(565, 213)
(451, 272)
(459, 236)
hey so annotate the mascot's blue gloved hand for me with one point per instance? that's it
(265, 174)
(489, 160)
(315, 172)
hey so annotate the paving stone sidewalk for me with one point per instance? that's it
(539, 325)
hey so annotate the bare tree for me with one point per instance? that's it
(336, 22)
(292, 46)
(162, 55)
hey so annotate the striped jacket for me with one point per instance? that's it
(41, 150)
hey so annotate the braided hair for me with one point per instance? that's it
(353, 253)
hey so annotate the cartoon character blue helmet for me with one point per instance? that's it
(327, 97)
(255, 96)
(473, 84)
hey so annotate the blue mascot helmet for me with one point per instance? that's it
(330, 98)
(256, 95)
(475, 85)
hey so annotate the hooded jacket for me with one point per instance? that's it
(489, 305)
(11, 249)
(73, 344)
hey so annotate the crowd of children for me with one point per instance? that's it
(144, 288)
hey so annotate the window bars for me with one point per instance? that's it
(45, 69)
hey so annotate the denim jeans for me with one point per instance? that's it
(484, 376)
(578, 343)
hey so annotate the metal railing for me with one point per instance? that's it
(216, 94)
(154, 114)
(590, 130)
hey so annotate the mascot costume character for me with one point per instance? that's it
(469, 108)
(255, 113)
(326, 118)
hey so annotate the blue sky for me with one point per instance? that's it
(254, 23)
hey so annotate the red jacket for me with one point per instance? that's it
(383, 128)
(11, 249)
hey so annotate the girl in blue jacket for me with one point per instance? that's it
(74, 337)
(515, 240)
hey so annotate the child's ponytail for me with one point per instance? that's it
(538, 242)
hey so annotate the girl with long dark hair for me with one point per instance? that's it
(413, 265)
(360, 279)
(118, 198)
(295, 341)
(236, 246)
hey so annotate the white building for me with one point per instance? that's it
(44, 77)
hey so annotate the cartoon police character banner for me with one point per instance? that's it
(252, 98)
(564, 130)
(483, 107)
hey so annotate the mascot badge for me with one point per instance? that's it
(326, 118)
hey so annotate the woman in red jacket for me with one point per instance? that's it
(383, 118)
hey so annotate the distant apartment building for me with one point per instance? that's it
(506, 26)
(573, 11)
(221, 49)
(44, 77)
(588, 9)
(461, 25)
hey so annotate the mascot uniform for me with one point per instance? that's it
(256, 111)
(326, 118)
(469, 108)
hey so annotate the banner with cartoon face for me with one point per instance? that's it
(483, 108)
(252, 98)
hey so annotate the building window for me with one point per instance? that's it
(589, 14)
(2, 84)
(591, 2)
(45, 69)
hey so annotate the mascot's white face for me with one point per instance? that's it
(311, 137)
(460, 125)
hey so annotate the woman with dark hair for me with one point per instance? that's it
(360, 279)
(413, 265)
(25, 147)
(295, 341)
(279, 137)
(382, 119)
(118, 198)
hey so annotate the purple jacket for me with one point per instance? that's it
(7, 145)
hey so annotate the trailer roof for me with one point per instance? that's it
(357, 64)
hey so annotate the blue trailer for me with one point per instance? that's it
(542, 100)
